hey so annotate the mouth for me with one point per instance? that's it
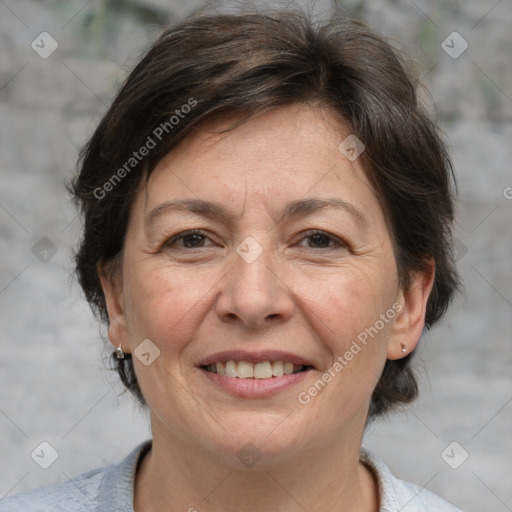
(254, 375)
(261, 370)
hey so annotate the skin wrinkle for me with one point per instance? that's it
(193, 307)
(214, 210)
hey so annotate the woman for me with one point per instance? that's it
(267, 233)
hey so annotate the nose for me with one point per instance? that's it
(254, 294)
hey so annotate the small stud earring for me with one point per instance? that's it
(404, 348)
(119, 352)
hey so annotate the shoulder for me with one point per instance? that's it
(105, 489)
(79, 493)
(398, 495)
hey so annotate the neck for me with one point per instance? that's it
(192, 479)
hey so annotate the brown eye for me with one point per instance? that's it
(190, 240)
(322, 240)
(193, 240)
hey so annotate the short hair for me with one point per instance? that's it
(211, 67)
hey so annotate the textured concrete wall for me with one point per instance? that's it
(54, 385)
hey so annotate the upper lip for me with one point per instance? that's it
(255, 357)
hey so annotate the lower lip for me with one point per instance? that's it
(255, 388)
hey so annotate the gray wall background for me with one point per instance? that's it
(53, 383)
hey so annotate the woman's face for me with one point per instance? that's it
(292, 262)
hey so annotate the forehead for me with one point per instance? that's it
(276, 135)
(283, 154)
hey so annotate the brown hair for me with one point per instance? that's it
(209, 67)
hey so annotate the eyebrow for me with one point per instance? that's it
(293, 209)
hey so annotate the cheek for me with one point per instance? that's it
(349, 300)
(163, 304)
(167, 304)
(346, 314)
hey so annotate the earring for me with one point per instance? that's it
(404, 348)
(119, 352)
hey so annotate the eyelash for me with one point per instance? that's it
(309, 234)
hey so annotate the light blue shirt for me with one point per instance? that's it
(110, 489)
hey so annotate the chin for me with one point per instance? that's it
(251, 439)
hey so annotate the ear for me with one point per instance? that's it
(112, 285)
(409, 323)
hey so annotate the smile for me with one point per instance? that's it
(248, 370)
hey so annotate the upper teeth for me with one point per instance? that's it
(245, 369)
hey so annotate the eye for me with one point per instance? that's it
(191, 239)
(321, 240)
(195, 239)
